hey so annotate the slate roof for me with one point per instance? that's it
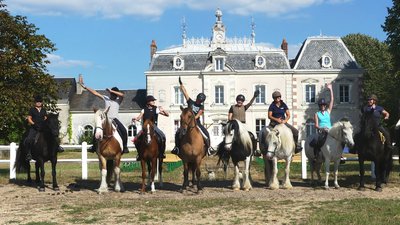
(67, 87)
(309, 56)
(133, 100)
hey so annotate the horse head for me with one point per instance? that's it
(103, 124)
(53, 124)
(347, 133)
(230, 132)
(188, 120)
(148, 130)
(274, 142)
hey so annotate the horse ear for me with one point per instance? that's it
(181, 108)
(268, 130)
(95, 109)
(106, 111)
(277, 132)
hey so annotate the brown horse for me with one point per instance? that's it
(109, 149)
(191, 147)
(148, 150)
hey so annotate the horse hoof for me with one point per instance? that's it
(236, 189)
(56, 188)
(288, 187)
(326, 187)
(41, 189)
(337, 187)
(102, 190)
(378, 189)
(246, 189)
(274, 187)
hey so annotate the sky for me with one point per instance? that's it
(108, 41)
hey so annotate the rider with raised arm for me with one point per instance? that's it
(279, 113)
(151, 111)
(113, 101)
(198, 109)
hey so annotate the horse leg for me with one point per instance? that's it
(153, 173)
(335, 173)
(379, 175)
(275, 182)
(149, 170)
(327, 164)
(37, 170)
(54, 174)
(160, 163)
(318, 166)
(198, 174)
(110, 168)
(143, 165)
(286, 183)
(117, 172)
(185, 176)
(236, 183)
(246, 181)
(267, 170)
(362, 172)
(103, 184)
(42, 174)
(28, 172)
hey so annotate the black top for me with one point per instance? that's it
(37, 116)
(195, 107)
(150, 113)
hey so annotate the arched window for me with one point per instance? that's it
(88, 130)
(310, 127)
(132, 130)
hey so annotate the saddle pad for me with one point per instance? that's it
(383, 140)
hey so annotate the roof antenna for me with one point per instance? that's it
(183, 25)
(253, 33)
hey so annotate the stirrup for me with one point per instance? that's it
(175, 151)
(211, 151)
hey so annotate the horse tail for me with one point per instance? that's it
(21, 165)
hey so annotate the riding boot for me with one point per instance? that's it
(162, 150)
(175, 150)
(60, 149)
(93, 148)
(316, 153)
(125, 150)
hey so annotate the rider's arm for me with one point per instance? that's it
(162, 111)
(94, 92)
(230, 113)
(117, 93)
(287, 112)
(316, 121)
(183, 89)
(30, 121)
(199, 114)
(385, 114)
(278, 120)
(139, 117)
(329, 86)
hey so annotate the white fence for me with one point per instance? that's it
(83, 160)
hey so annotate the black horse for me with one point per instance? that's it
(44, 149)
(371, 147)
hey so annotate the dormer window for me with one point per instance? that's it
(178, 63)
(260, 62)
(219, 64)
(326, 61)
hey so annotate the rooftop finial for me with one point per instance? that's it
(183, 25)
(218, 14)
(253, 33)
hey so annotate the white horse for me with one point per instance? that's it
(238, 145)
(280, 146)
(339, 135)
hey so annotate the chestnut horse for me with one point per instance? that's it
(109, 150)
(148, 150)
(191, 148)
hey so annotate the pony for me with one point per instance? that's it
(43, 149)
(371, 147)
(148, 150)
(192, 149)
(109, 151)
(238, 145)
(277, 144)
(339, 135)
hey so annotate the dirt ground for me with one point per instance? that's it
(21, 204)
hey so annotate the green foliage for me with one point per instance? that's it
(69, 128)
(86, 136)
(23, 73)
(391, 27)
(375, 58)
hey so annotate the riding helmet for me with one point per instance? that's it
(115, 89)
(38, 98)
(322, 101)
(373, 97)
(201, 97)
(276, 94)
(240, 98)
(150, 98)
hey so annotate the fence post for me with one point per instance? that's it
(303, 161)
(13, 156)
(84, 161)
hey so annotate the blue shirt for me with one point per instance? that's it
(324, 119)
(377, 112)
(278, 112)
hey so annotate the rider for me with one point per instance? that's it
(322, 120)
(113, 101)
(278, 113)
(151, 111)
(238, 111)
(378, 111)
(198, 109)
(37, 116)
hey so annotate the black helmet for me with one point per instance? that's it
(38, 98)
(373, 97)
(276, 94)
(115, 89)
(322, 101)
(150, 98)
(201, 97)
(240, 98)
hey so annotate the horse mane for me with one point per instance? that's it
(286, 136)
(242, 133)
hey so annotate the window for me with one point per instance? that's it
(219, 94)
(88, 131)
(260, 123)
(219, 64)
(132, 130)
(326, 61)
(344, 93)
(179, 99)
(310, 93)
(310, 127)
(177, 124)
(178, 63)
(261, 98)
(216, 129)
(260, 61)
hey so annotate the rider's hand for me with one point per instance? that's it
(180, 81)
(108, 89)
(256, 93)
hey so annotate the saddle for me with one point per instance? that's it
(319, 141)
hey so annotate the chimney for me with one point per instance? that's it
(153, 49)
(79, 88)
(284, 46)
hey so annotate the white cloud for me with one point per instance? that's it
(57, 61)
(155, 8)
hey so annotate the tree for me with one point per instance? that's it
(392, 29)
(23, 73)
(377, 61)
